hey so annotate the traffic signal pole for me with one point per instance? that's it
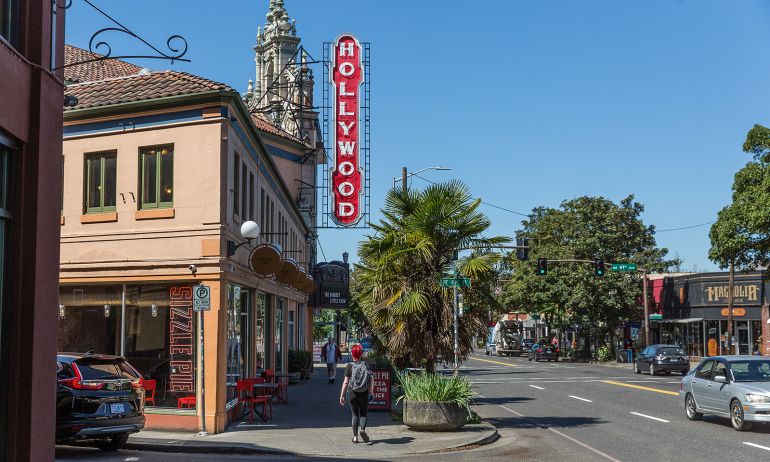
(646, 309)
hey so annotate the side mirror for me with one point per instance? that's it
(720, 379)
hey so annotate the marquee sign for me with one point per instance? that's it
(346, 172)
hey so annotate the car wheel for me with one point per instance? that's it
(529, 358)
(487, 352)
(737, 416)
(667, 372)
(113, 443)
(652, 369)
(691, 408)
(685, 372)
(556, 360)
(636, 368)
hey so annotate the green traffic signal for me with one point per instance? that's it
(542, 266)
(599, 267)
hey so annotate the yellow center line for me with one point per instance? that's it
(494, 362)
(639, 387)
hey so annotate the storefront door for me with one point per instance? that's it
(744, 344)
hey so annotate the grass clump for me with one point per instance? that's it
(434, 387)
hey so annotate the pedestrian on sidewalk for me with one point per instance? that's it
(330, 353)
(358, 380)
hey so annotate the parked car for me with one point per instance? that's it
(736, 387)
(543, 351)
(527, 343)
(662, 358)
(490, 349)
(99, 400)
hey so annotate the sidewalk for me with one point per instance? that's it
(313, 423)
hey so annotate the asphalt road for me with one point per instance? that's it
(591, 412)
(559, 411)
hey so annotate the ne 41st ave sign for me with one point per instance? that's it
(623, 267)
(455, 282)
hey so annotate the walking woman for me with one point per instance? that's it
(358, 380)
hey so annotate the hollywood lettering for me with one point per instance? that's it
(180, 330)
(346, 176)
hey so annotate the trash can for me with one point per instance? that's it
(630, 355)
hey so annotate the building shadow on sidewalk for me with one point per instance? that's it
(543, 422)
(501, 400)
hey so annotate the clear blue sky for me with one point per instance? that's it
(529, 102)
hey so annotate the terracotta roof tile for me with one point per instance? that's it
(95, 70)
(262, 124)
(146, 86)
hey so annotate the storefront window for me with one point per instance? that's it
(756, 336)
(159, 336)
(712, 338)
(291, 329)
(301, 327)
(278, 334)
(234, 353)
(6, 187)
(259, 329)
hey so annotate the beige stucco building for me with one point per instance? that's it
(161, 168)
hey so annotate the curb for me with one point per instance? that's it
(198, 447)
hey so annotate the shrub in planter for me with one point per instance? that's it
(300, 361)
(435, 403)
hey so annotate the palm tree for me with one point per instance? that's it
(402, 264)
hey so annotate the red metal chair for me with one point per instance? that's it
(263, 395)
(186, 402)
(246, 396)
(282, 391)
(149, 391)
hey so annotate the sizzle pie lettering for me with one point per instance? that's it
(346, 174)
(180, 330)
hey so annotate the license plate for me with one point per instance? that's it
(117, 408)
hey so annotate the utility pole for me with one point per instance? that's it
(731, 286)
(646, 310)
(456, 329)
(403, 179)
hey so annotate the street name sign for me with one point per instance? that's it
(201, 298)
(656, 317)
(455, 282)
(623, 267)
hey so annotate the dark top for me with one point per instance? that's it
(349, 374)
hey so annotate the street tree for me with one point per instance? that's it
(402, 263)
(741, 233)
(586, 228)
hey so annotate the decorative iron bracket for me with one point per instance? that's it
(98, 45)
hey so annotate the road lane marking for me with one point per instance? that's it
(639, 387)
(756, 445)
(535, 386)
(493, 362)
(581, 399)
(649, 417)
(578, 442)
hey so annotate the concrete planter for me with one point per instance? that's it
(433, 416)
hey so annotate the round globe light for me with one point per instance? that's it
(249, 230)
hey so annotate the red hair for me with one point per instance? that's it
(356, 351)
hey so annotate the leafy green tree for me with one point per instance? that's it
(585, 228)
(402, 264)
(742, 229)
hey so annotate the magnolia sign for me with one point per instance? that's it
(346, 175)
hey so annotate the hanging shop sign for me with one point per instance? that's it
(180, 330)
(299, 283)
(346, 174)
(310, 286)
(288, 272)
(333, 285)
(265, 260)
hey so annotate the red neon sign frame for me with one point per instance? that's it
(346, 174)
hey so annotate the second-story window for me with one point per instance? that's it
(236, 185)
(157, 177)
(100, 171)
(9, 21)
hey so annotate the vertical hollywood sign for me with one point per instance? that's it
(180, 329)
(346, 176)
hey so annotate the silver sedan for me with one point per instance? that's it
(736, 387)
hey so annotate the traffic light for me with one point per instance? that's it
(599, 267)
(522, 252)
(542, 266)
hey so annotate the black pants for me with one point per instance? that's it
(359, 406)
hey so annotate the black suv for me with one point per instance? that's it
(99, 400)
(662, 358)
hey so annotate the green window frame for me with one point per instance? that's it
(157, 177)
(99, 182)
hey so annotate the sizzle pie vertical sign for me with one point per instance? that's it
(346, 174)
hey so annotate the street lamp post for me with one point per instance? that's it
(405, 175)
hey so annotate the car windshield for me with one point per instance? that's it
(529, 340)
(671, 351)
(751, 370)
